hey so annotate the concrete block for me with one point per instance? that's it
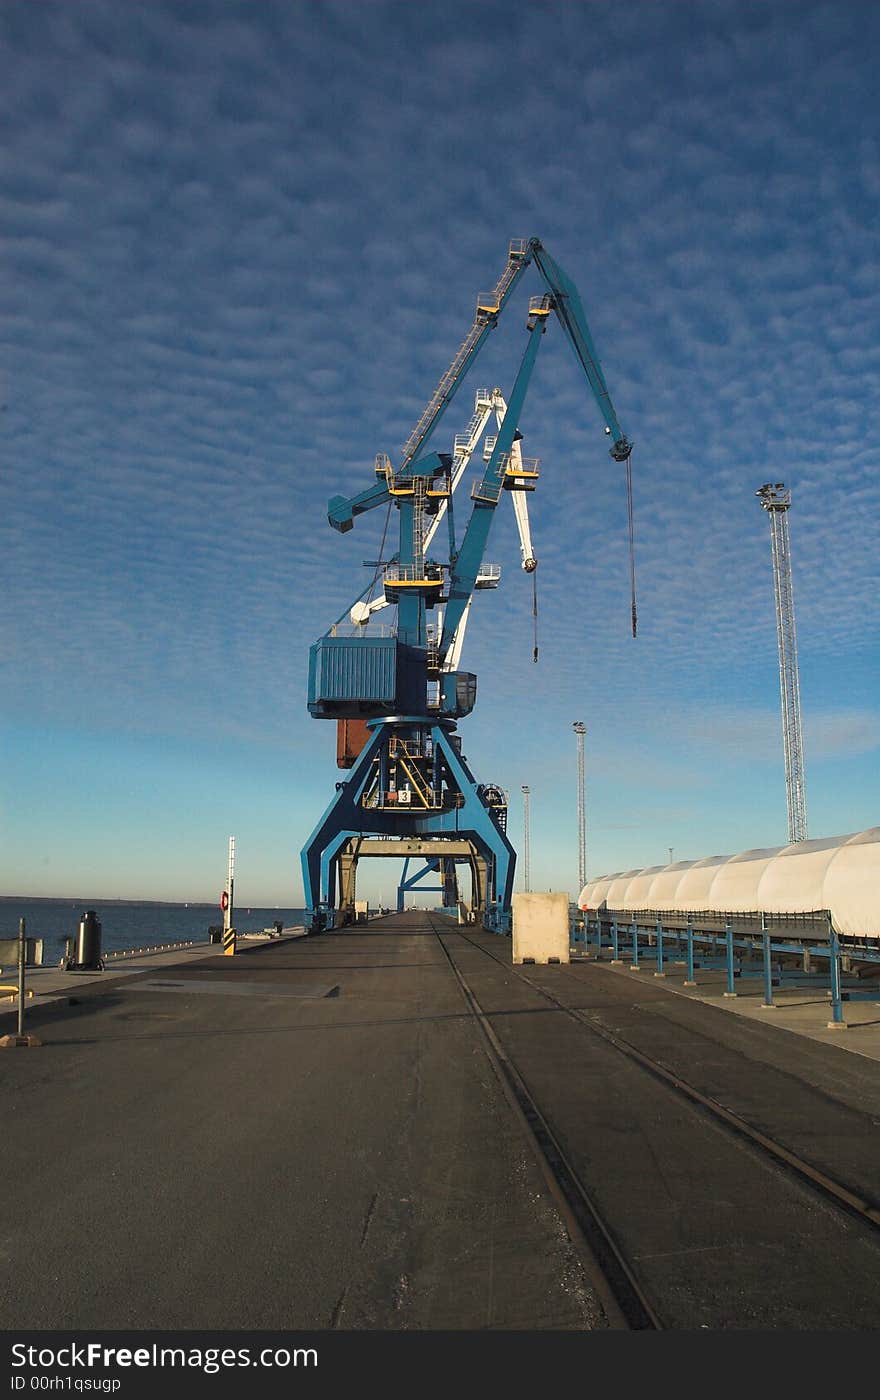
(540, 928)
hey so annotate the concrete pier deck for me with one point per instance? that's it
(50, 982)
(310, 1135)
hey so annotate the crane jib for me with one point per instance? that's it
(569, 312)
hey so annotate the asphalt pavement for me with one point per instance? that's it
(310, 1135)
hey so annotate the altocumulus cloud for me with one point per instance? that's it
(243, 243)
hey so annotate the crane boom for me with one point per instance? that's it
(563, 299)
(485, 319)
(570, 313)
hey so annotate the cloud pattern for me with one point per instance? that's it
(242, 243)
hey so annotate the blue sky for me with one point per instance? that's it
(241, 243)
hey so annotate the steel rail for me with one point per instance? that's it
(847, 1199)
(625, 1304)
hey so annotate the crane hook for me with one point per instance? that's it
(535, 610)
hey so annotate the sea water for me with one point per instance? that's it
(127, 925)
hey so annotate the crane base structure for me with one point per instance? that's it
(412, 790)
(398, 688)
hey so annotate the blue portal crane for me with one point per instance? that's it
(410, 791)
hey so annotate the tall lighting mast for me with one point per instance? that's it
(777, 501)
(526, 873)
(580, 730)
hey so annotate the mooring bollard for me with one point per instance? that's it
(88, 944)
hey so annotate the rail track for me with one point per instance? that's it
(626, 1302)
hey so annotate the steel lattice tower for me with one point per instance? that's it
(526, 874)
(580, 730)
(777, 501)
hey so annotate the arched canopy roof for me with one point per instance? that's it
(839, 873)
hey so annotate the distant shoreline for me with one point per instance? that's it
(100, 899)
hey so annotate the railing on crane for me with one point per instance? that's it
(488, 306)
(413, 574)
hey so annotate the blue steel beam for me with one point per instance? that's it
(475, 821)
(341, 510)
(341, 818)
(412, 881)
(570, 313)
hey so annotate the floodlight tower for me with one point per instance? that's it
(580, 730)
(777, 501)
(526, 873)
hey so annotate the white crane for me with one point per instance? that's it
(524, 470)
